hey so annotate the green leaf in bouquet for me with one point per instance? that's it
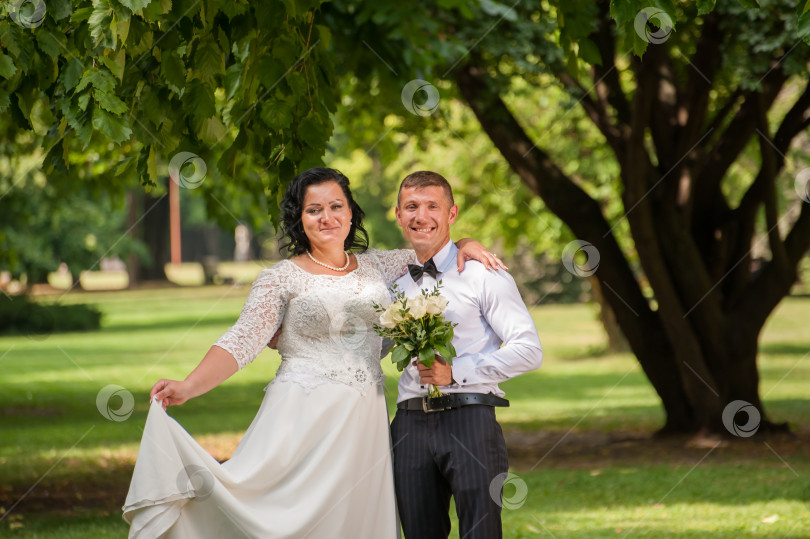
(445, 352)
(426, 356)
(408, 346)
(400, 353)
(436, 340)
(432, 324)
(440, 334)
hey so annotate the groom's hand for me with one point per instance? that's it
(273, 344)
(440, 374)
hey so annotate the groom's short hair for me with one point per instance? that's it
(426, 178)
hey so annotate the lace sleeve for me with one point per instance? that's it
(260, 319)
(393, 264)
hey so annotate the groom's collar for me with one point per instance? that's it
(446, 256)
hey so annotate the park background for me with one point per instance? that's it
(641, 166)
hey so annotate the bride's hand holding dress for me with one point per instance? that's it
(216, 367)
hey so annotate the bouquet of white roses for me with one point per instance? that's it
(418, 329)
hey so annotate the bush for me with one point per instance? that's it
(21, 315)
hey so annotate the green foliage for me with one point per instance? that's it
(43, 223)
(524, 57)
(20, 315)
(254, 90)
(250, 87)
(239, 84)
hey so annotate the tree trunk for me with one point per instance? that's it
(616, 343)
(696, 365)
(641, 326)
(133, 201)
(155, 234)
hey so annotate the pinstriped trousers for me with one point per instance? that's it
(453, 452)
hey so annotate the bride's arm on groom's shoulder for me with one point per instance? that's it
(216, 367)
(394, 263)
(470, 249)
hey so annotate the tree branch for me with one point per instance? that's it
(562, 196)
(772, 285)
(597, 113)
(793, 123)
(606, 77)
(702, 69)
(643, 219)
(730, 144)
(768, 169)
(674, 264)
(744, 216)
(778, 276)
(720, 116)
(664, 110)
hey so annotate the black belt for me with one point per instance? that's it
(450, 401)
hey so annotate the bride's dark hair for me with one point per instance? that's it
(294, 240)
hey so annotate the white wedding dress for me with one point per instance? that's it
(316, 460)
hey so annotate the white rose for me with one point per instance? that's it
(436, 304)
(417, 306)
(387, 319)
(396, 307)
(391, 317)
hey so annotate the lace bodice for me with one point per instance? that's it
(328, 321)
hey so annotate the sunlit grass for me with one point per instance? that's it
(50, 421)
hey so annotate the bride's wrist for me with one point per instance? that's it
(189, 389)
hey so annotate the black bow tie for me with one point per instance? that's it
(417, 271)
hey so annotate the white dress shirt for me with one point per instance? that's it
(495, 339)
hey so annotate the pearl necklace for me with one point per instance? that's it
(333, 268)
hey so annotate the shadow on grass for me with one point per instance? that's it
(785, 348)
(174, 323)
(53, 412)
(53, 420)
(575, 386)
(712, 482)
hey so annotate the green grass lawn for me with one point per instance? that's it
(590, 474)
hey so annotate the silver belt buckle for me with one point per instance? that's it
(427, 409)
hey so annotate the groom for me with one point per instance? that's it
(453, 445)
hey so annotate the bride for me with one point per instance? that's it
(316, 460)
